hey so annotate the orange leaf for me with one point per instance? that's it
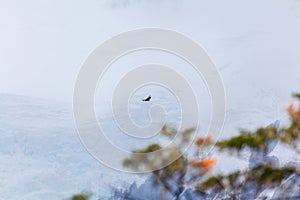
(204, 140)
(205, 164)
(293, 110)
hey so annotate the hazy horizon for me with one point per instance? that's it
(44, 44)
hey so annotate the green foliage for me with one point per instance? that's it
(256, 140)
(213, 181)
(296, 95)
(262, 174)
(265, 174)
(186, 135)
(290, 135)
(140, 159)
(148, 149)
(178, 165)
(219, 182)
(232, 178)
(81, 196)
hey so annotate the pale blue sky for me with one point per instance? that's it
(256, 44)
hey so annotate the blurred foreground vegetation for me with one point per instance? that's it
(264, 178)
(189, 177)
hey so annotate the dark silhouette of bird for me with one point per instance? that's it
(147, 99)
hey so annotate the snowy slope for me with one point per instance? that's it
(41, 155)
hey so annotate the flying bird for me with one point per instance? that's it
(147, 99)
